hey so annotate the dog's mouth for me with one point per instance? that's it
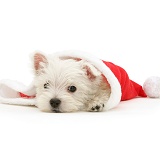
(56, 111)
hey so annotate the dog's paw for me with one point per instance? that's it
(96, 108)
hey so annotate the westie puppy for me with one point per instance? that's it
(68, 84)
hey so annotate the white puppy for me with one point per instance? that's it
(67, 85)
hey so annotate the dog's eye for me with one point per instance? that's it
(46, 85)
(72, 88)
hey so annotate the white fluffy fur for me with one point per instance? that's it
(92, 90)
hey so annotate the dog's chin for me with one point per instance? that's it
(56, 111)
(62, 109)
(69, 110)
(50, 110)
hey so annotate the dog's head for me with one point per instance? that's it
(63, 84)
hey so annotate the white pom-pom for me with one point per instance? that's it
(152, 87)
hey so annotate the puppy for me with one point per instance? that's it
(68, 85)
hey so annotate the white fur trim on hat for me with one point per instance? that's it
(9, 93)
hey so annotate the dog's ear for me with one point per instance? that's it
(91, 71)
(39, 61)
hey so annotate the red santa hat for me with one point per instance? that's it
(122, 88)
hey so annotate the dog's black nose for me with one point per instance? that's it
(54, 102)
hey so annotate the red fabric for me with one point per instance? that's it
(129, 88)
(25, 96)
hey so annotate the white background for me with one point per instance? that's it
(125, 32)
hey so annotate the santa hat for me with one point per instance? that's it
(122, 88)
